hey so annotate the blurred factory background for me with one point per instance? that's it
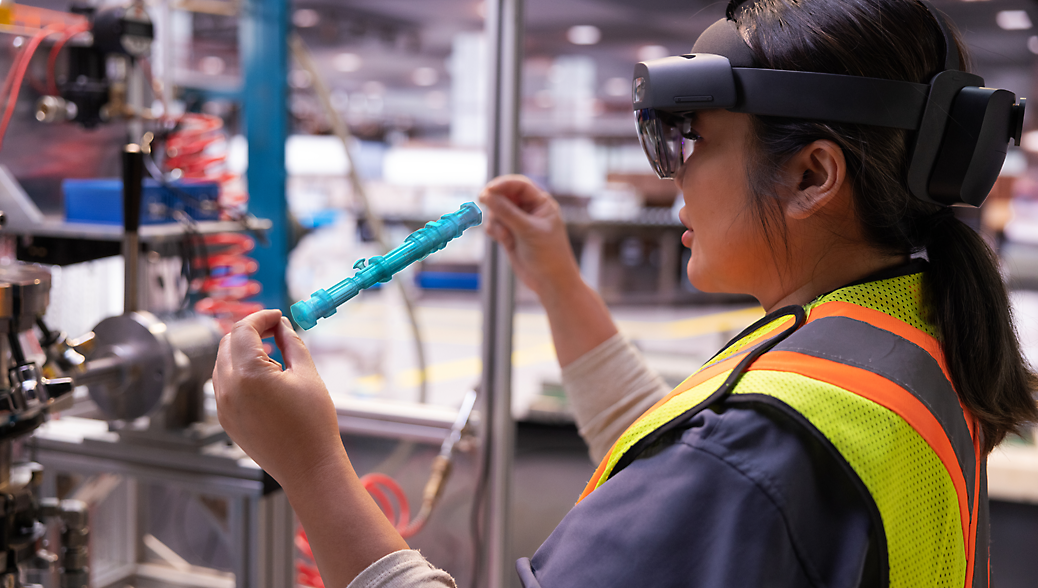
(249, 99)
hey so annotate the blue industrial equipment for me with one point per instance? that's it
(418, 245)
(263, 42)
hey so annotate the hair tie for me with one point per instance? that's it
(945, 214)
(931, 222)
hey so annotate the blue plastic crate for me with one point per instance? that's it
(448, 280)
(101, 201)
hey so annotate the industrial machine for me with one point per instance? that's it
(26, 398)
(134, 365)
(96, 87)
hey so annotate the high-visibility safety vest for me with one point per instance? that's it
(863, 372)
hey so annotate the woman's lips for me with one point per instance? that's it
(686, 238)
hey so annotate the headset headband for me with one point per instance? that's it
(961, 130)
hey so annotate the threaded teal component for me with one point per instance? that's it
(418, 245)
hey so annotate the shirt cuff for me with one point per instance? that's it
(403, 569)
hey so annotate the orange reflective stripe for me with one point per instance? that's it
(689, 383)
(885, 393)
(900, 328)
(593, 482)
(971, 539)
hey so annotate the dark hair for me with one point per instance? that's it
(962, 288)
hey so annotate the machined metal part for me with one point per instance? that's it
(75, 538)
(54, 109)
(137, 363)
(24, 296)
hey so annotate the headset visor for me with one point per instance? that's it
(665, 139)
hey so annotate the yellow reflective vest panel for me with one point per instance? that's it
(862, 370)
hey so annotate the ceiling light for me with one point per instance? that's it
(650, 52)
(617, 87)
(347, 62)
(425, 76)
(305, 18)
(1013, 20)
(584, 35)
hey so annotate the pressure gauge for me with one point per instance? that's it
(124, 29)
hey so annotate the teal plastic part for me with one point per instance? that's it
(418, 245)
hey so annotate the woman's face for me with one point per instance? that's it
(729, 249)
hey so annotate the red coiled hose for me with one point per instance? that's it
(377, 485)
(190, 150)
(228, 283)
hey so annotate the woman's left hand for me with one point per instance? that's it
(284, 419)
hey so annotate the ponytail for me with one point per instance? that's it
(967, 299)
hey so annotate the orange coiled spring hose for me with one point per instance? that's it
(194, 150)
(228, 283)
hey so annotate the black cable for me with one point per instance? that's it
(16, 348)
(193, 242)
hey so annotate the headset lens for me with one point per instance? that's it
(664, 142)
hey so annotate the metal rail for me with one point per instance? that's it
(504, 28)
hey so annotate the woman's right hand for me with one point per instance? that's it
(526, 221)
(283, 418)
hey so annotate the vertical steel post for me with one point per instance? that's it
(133, 178)
(263, 43)
(504, 26)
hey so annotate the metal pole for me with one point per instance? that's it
(504, 43)
(133, 176)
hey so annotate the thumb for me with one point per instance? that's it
(293, 350)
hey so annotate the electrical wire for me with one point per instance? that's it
(339, 128)
(12, 85)
(55, 51)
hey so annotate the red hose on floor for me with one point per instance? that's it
(381, 487)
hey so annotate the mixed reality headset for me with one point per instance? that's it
(961, 129)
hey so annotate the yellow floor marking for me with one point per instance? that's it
(473, 366)
(460, 368)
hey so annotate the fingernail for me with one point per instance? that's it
(286, 322)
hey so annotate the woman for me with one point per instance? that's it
(840, 441)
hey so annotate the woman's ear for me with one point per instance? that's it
(821, 172)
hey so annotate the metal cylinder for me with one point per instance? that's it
(24, 295)
(138, 364)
